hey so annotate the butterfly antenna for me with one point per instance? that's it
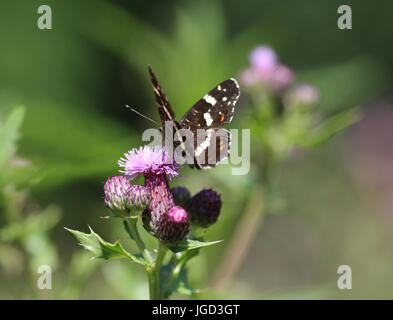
(142, 115)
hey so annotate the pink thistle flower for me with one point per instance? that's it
(148, 161)
(155, 164)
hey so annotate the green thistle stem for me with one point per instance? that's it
(153, 265)
(162, 250)
(132, 229)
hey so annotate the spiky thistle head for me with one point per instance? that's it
(148, 161)
(181, 196)
(205, 208)
(173, 226)
(123, 198)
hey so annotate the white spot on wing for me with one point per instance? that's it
(210, 99)
(208, 118)
(203, 146)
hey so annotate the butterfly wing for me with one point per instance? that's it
(211, 148)
(164, 107)
(215, 109)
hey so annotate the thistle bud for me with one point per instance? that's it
(205, 207)
(181, 196)
(138, 198)
(173, 226)
(116, 192)
(124, 198)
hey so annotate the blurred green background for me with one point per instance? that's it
(75, 79)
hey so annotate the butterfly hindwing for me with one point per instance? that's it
(215, 109)
(211, 148)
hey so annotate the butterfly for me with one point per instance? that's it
(210, 144)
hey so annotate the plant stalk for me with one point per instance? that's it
(153, 272)
(132, 230)
(242, 240)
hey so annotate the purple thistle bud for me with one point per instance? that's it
(173, 226)
(116, 193)
(138, 198)
(124, 198)
(181, 196)
(205, 207)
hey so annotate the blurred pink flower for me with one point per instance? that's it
(281, 78)
(264, 60)
(249, 77)
(302, 94)
(266, 71)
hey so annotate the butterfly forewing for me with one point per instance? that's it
(215, 109)
(164, 107)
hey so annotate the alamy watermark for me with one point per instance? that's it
(345, 279)
(45, 279)
(45, 20)
(205, 146)
(345, 20)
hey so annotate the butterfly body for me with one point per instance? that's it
(210, 144)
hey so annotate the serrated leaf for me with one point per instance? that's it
(101, 248)
(191, 245)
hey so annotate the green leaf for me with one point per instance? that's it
(191, 245)
(180, 285)
(333, 125)
(9, 132)
(101, 248)
(173, 276)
